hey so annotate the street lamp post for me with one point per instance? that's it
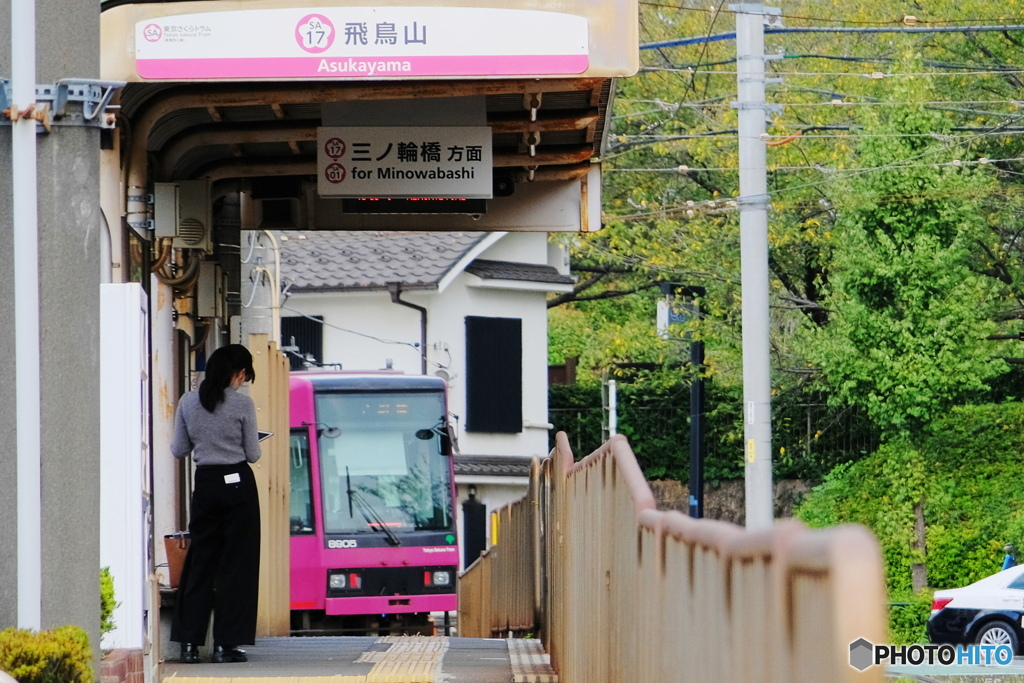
(696, 409)
(694, 312)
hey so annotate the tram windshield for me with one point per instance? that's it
(385, 471)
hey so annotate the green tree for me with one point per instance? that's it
(911, 308)
(671, 158)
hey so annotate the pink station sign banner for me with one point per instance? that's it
(361, 43)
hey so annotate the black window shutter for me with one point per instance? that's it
(494, 371)
(309, 337)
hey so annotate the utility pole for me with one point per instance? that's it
(753, 207)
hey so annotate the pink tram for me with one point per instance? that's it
(373, 540)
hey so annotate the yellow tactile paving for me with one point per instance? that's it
(409, 660)
(530, 664)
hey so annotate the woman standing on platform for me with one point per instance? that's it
(221, 573)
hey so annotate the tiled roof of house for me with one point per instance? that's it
(507, 270)
(493, 465)
(336, 261)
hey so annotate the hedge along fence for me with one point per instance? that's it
(61, 655)
(809, 437)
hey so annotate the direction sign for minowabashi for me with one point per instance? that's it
(413, 161)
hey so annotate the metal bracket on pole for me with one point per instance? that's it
(763, 106)
(93, 95)
(5, 93)
(771, 14)
(756, 202)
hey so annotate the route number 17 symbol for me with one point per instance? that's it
(314, 33)
(335, 148)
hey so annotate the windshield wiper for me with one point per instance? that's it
(373, 519)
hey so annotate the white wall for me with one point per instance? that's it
(351, 319)
(520, 248)
(124, 475)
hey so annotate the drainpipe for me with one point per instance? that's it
(26, 315)
(106, 257)
(396, 290)
(275, 293)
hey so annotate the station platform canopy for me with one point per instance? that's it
(239, 90)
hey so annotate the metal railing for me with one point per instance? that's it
(620, 591)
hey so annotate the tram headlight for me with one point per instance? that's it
(442, 578)
(341, 580)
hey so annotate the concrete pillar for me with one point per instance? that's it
(69, 256)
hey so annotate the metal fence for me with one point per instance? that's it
(620, 591)
(809, 436)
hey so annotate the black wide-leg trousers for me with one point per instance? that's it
(222, 567)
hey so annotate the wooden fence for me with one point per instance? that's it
(270, 393)
(620, 591)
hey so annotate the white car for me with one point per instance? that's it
(987, 612)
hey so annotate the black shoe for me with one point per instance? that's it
(189, 653)
(222, 654)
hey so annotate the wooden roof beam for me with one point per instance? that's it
(546, 122)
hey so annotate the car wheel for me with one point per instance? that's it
(998, 633)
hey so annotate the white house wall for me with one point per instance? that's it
(520, 248)
(351, 319)
(449, 319)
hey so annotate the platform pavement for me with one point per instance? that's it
(389, 659)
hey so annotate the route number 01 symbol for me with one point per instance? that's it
(335, 173)
(314, 33)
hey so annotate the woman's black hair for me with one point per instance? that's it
(220, 368)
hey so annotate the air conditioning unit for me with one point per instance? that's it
(183, 211)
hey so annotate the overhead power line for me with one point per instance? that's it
(905, 20)
(840, 58)
(874, 75)
(771, 30)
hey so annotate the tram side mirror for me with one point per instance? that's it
(445, 430)
(324, 430)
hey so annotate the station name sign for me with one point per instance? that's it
(361, 43)
(407, 161)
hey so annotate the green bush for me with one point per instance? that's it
(61, 655)
(107, 602)
(908, 618)
(967, 471)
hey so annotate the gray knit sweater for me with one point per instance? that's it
(224, 437)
